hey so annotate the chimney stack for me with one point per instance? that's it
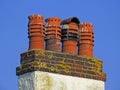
(53, 34)
(86, 40)
(36, 32)
(70, 35)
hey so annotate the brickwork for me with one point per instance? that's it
(53, 34)
(61, 63)
(36, 32)
(86, 40)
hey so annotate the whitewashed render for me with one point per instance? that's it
(39, 80)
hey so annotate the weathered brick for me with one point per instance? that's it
(66, 64)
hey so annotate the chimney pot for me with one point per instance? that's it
(53, 33)
(86, 39)
(36, 32)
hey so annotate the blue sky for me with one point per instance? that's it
(103, 14)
